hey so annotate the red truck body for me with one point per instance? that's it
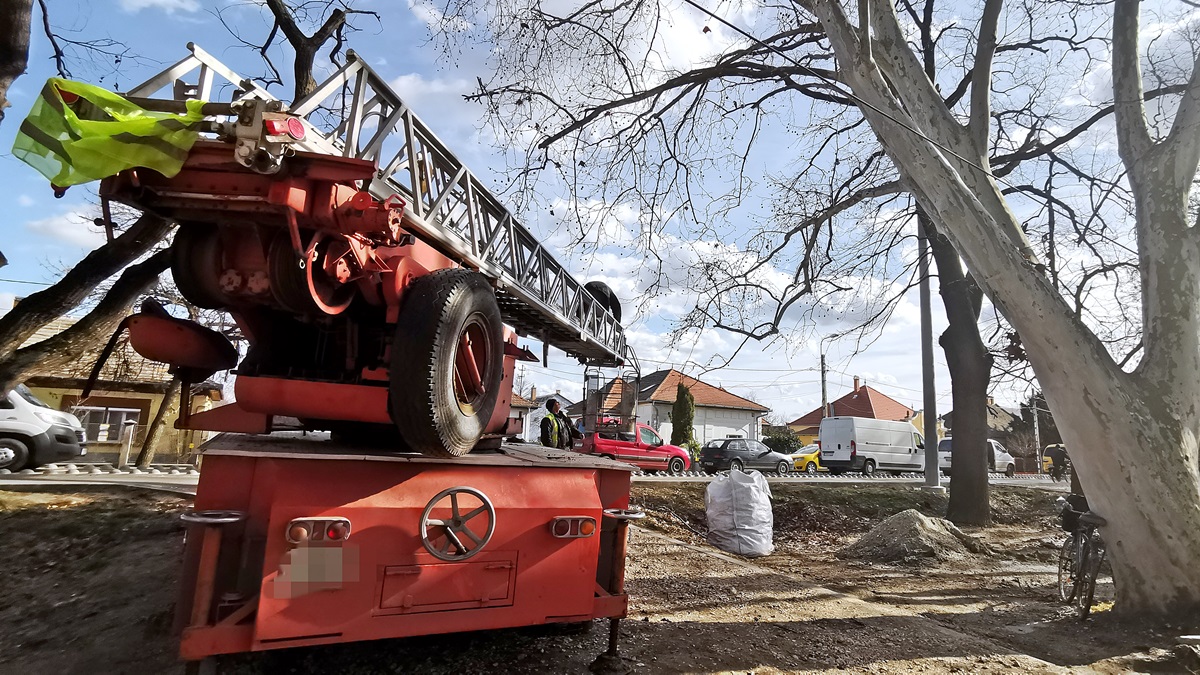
(642, 447)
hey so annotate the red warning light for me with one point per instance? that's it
(295, 128)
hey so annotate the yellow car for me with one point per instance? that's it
(1046, 461)
(808, 459)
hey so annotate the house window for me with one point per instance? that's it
(104, 425)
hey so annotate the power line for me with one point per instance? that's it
(31, 283)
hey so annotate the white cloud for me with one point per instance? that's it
(168, 6)
(25, 200)
(69, 227)
(429, 14)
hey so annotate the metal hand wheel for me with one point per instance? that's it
(624, 514)
(460, 540)
(212, 517)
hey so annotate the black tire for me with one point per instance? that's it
(1066, 566)
(1085, 586)
(289, 286)
(735, 465)
(1010, 471)
(810, 468)
(783, 467)
(868, 468)
(195, 257)
(434, 416)
(604, 295)
(1092, 560)
(14, 454)
(676, 466)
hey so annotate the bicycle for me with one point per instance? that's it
(1081, 555)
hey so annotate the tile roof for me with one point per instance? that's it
(999, 420)
(661, 387)
(123, 365)
(519, 401)
(863, 402)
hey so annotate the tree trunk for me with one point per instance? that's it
(155, 431)
(91, 330)
(970, 367)
(1134, 437)
(38, 309)
(302, 69)
(15, 16)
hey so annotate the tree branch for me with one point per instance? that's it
(981, 80)
(35, 311)
(68, 345)
(1133, 135)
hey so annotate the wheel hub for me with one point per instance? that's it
(7, 456)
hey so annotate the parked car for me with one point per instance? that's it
(32, 433)
(866, 445)
(642, 447)
(736, 454)
(808, 459)
(998, 457)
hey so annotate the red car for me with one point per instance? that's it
(643, 448)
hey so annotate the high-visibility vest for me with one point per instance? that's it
(553, 430)
(77, 133)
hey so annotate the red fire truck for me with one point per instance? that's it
(381, 288)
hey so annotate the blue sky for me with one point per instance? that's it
(43, 236)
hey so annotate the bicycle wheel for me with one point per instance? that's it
(1093, 555)
(1066, 571)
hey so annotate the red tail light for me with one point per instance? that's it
(818, 444)
(853, 449)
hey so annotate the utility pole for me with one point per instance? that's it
(824, 391)
(932, 475)
(1037, 434)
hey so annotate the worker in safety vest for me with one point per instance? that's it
(552, 426)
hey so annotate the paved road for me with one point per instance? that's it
(186, 483)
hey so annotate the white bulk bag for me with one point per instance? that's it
(738, 507)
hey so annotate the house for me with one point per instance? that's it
(918, 421)
(719, 413)
(1001, 422)
(533, 421)
(520, 408)
(862, 401)
(128, 393)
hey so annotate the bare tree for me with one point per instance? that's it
(328, 20)
(35, 311)
(615, 126)
(1132, 434)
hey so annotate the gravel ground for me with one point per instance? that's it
(91, 575)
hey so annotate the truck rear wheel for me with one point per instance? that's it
(447, 362)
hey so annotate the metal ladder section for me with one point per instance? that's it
(354, 113)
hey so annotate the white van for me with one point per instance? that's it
(998, 457)
(32, 433)
(867, 445)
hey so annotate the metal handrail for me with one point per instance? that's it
(446, 204)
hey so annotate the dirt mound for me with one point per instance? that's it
(909, 536)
